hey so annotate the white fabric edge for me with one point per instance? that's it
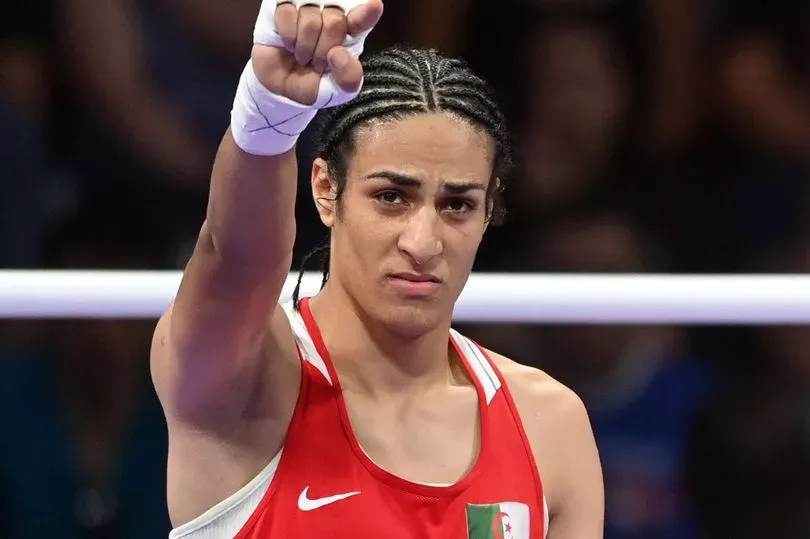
(304, 340)
(473, 356)
(482, 366)
(235, 502)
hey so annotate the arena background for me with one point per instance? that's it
(652, 136)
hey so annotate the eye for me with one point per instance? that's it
(390, 197)
(460, 205)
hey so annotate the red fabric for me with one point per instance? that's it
(321, 453)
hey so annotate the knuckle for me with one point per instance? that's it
(335, 27)
(286, 16)
(333, 16)
(309, 24)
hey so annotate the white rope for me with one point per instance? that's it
(744, 299)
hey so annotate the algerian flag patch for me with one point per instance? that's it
(506, 520)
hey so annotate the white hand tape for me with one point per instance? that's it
(264, 123)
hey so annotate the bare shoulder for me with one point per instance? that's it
(559, 432)
(538, 396)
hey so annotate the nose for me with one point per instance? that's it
(420, 240)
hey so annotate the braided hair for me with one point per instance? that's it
(400, 82)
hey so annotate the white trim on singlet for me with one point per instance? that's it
(480, 365)
(227, 518)
(304, 340)
(484, 371)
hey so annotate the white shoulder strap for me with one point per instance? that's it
(481, 366)
(304, 340)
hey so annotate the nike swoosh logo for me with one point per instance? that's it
(307, 504)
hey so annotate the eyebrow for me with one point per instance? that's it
(454, 186)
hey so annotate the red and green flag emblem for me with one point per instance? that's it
(506, 520)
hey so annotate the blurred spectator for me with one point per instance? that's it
(641, 389)
(756, 151)
(671, 39)
(23, 180)
(82, 454)
(573, 128)
(154, 100)
(25, 101)
(656, 40)
(750, 465)
(575, 112)
(750, 462)
(764, 73)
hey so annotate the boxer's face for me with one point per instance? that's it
(407, 227)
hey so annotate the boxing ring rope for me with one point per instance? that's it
(580, 298)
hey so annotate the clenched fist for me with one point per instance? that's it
(296, 44)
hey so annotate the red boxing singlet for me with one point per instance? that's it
(322, 485)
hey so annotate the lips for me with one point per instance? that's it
(416, 278)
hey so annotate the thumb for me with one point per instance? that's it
(363, 18)
(345, 69)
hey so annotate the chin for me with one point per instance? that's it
(411, 319)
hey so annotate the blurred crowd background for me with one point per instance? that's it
(652, 136)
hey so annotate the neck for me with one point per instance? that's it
(376, 359)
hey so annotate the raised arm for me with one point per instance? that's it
(212, 347)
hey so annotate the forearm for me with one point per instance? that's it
(251, 208)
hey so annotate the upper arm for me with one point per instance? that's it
(225, 325)
(210, 347)
(578, 506)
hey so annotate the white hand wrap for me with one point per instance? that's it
(264, 123)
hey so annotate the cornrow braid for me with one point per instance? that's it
(400, 82)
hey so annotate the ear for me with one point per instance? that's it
(491, 202)
(324, 192)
